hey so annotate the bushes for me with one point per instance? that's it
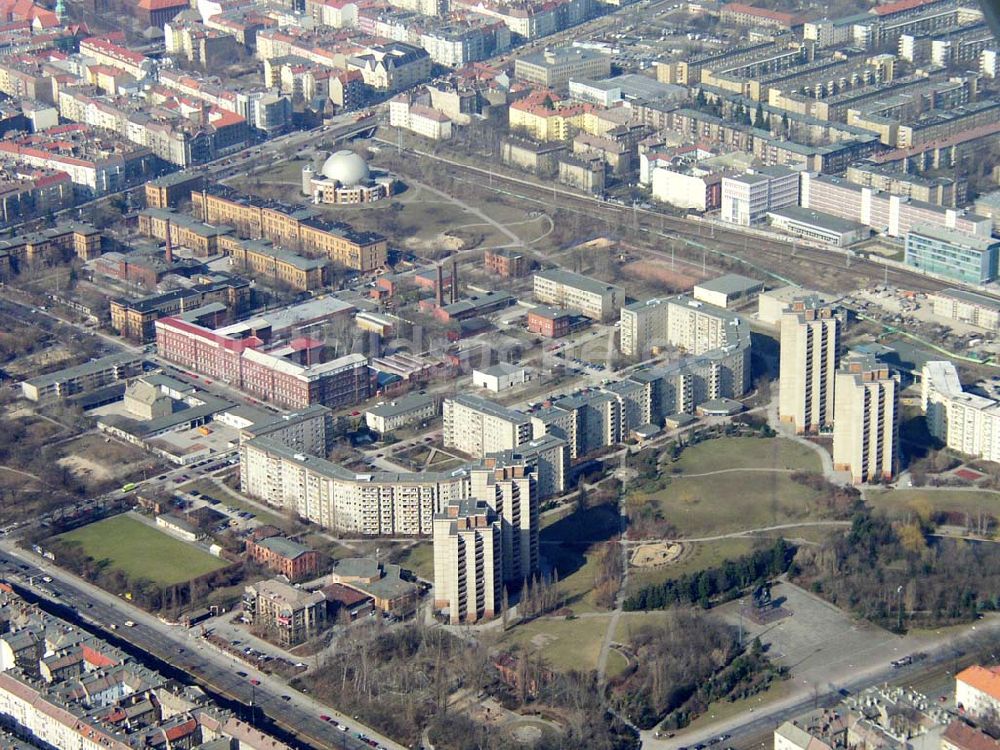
(721, 583)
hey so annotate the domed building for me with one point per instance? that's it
(345, 178)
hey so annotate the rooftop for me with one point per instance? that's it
(575, 280)
(730, 284)
(817, 218)
(401, 406)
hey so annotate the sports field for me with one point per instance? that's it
(140, 551)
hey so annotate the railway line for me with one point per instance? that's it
(787, 262)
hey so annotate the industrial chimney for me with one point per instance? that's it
(439, 289)
(454, 280)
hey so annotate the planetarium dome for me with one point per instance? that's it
(346, 167)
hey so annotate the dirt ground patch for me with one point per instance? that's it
(675, 280)
(84, 468)
(654, 555)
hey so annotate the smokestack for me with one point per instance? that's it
(170, 246)
(454, 280)
(439, 290)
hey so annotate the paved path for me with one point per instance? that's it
(738, 534)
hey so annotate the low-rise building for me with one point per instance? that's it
(552, 68)
(727, 289)
(815, 225)
(284, 556)
(287, 615)
(555, 322)
(967, 307)
(506, 263)
(595, 299)
(419, 119)
(383, 418)
(500, 377)
(390, 591)
(82, 378)
(977, 691)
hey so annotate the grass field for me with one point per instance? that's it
(746, 452)
(728, 499)
(565, 644)
(141, 551)
(420, 559)
(923, 501)
(570, 544)
(724, 503)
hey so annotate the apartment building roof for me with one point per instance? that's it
(401, 406)
(575, 280)
(491, 408)
(286, 548)
(83, 370)
(984, 679)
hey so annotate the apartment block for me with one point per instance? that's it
(746, 199)
(893, 214)
(82, 378)
(477, 426)
(262, 259)
(507, 485)
(866, 419)
(967, 307)
(595, 299)
(965, 422)
(955, 255)
(977, 690)
(295, 228)
(810, 339)
(468, 562)
(286, 614)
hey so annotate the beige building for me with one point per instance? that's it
(865, 419)
(595, 299)
(553, 68)
(772, 304)
(509, 489)
(966, 422)
(287, 614)
(392, 415)
(468, 562)
(809, 340)
(967, 307)
(477, 426)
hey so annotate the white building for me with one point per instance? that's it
(476, 426)
(499, 377)
(965, 422)
(595, 299)
(977, 690)
(386, 417)
(746, 199)
(968, 307)
(692, 190)
(419, 119)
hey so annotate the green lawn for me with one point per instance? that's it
(922, 501)
(141, 551)
(420, 559)
(744, 452)
(576, 564)
(736, 501)
(564, 644)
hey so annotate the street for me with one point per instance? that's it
(179, 652)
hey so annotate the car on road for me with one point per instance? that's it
(129, 624)
(324, 717)
(242, 674)
(286, 697)
(341, 727)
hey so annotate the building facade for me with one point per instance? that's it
(593, 298)
(866, 420)
(477, 426)
(468, 562)
(945, 252)
(810, 340)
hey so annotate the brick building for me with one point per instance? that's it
(552, 322)
(292, 227)
(269, 375)
(506, 263)
(283, 556)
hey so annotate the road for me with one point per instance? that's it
(183, 649)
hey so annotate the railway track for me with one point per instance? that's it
(782, 261)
